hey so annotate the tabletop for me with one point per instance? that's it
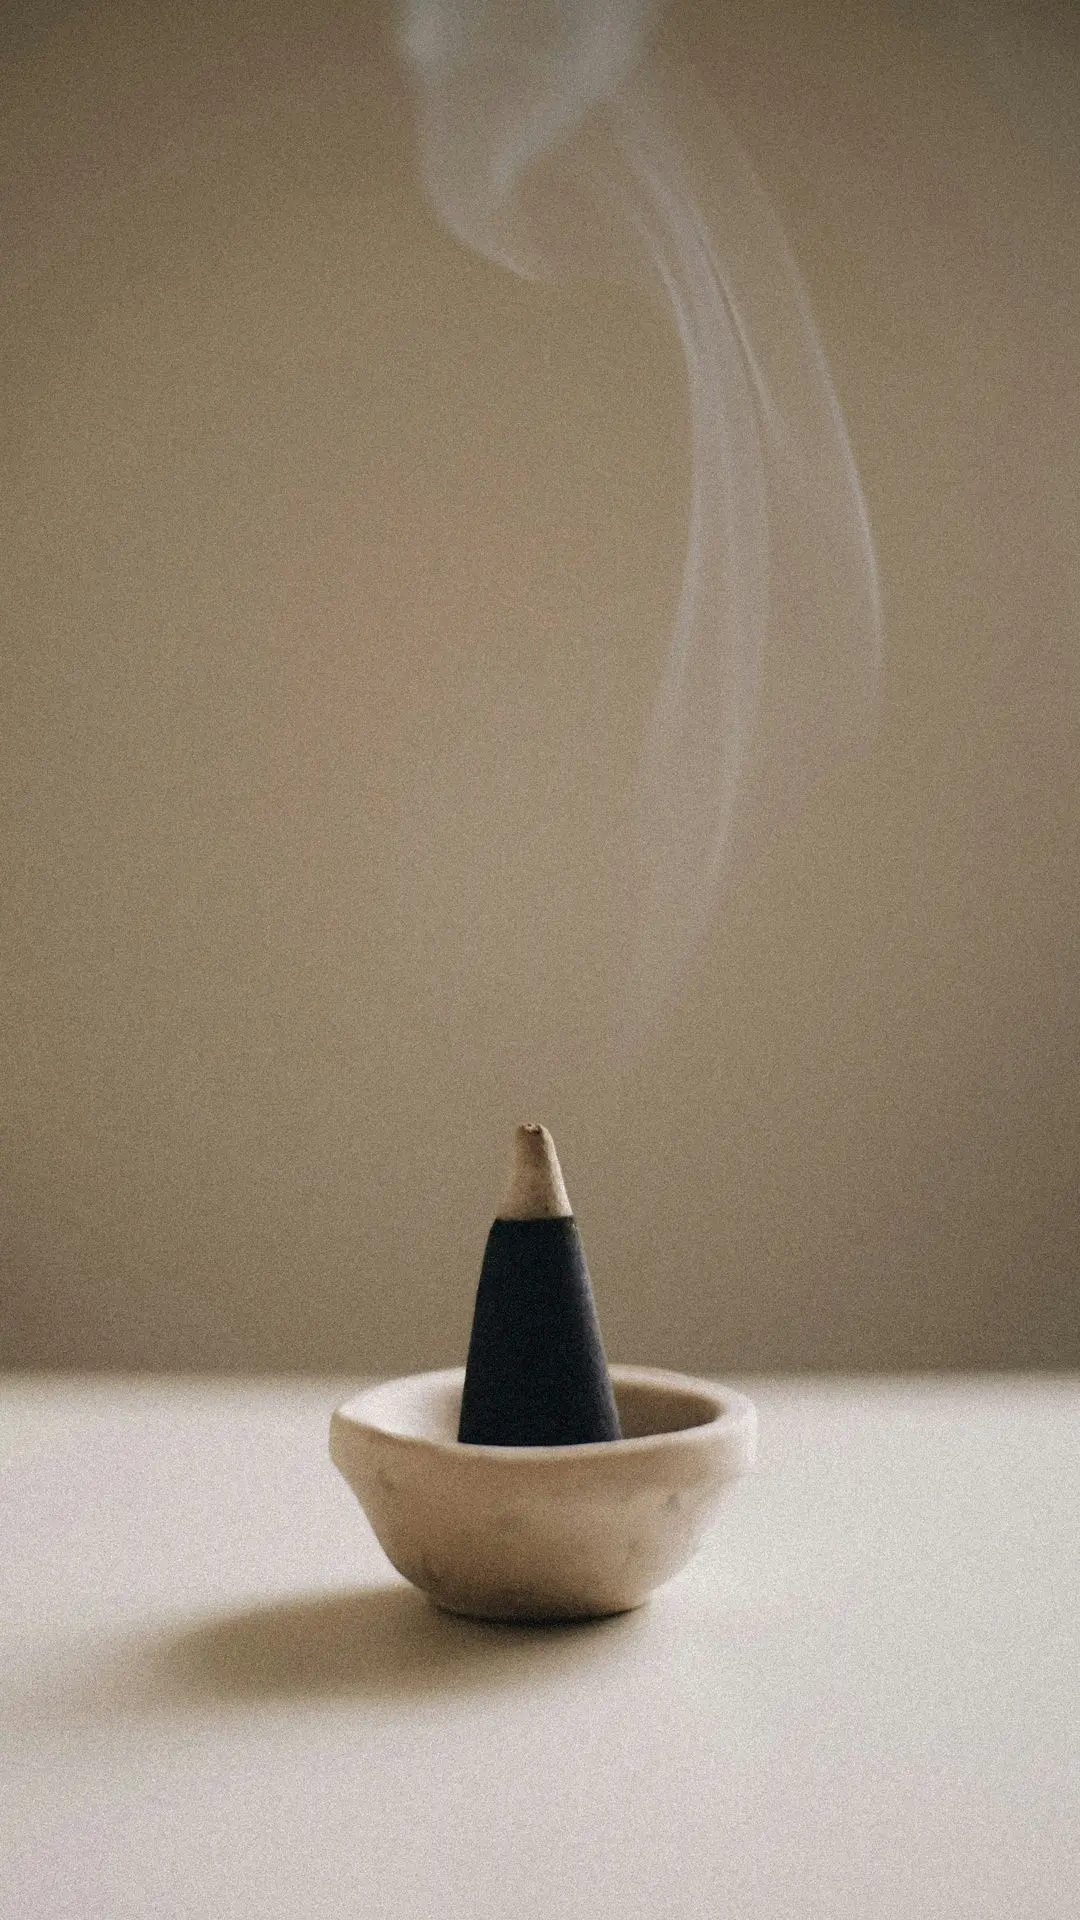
(217, 1699)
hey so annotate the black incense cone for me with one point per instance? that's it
(536, 1373)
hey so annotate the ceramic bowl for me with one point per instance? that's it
(542, 1533)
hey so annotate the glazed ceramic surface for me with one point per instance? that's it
(542, 1533)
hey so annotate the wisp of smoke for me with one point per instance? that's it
(554, 138)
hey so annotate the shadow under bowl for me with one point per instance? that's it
(543, 1533)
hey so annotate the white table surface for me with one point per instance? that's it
(218, 1700)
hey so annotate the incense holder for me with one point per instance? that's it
(543, 1533)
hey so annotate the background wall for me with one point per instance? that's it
(337, 569)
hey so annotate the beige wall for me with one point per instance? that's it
(336, 568)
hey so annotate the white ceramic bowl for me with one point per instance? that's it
(542, 1533)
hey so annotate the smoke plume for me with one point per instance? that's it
(556, 139)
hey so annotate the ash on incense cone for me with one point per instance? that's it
(536, 1373)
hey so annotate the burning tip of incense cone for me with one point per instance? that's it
(537, 1190)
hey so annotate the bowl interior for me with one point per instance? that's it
(645, 1406)
(427, 1406)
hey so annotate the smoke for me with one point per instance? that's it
(556, 140)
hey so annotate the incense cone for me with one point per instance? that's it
(536, 1375)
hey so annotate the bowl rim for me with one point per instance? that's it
(734, 1418)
